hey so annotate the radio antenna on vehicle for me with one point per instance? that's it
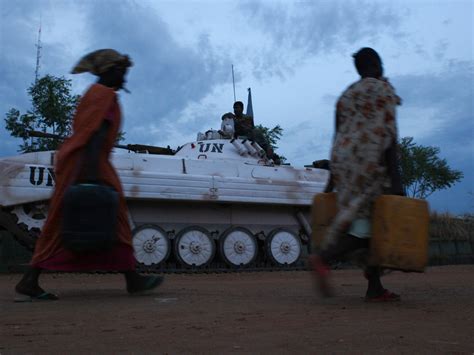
(233, 80)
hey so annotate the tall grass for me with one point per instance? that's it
(444, 226)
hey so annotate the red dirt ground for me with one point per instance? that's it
(264, 312)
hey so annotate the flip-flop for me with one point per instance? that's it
(386, 296)
(150, 284)
(45, 296)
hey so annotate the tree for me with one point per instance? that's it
(422, 171)
(53, 107)
(272, 136)
(268, 138)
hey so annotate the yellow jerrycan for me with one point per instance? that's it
(400, 230)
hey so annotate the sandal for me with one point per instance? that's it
(386, 296)
(44, 296)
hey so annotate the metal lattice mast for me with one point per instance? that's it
(38, 53)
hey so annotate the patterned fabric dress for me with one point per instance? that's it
(98, 103)
(365, 128)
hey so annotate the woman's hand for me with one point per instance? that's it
(393, 170)
(330, 185)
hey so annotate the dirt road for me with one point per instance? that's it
(265, 312)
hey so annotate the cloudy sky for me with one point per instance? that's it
(296, 57)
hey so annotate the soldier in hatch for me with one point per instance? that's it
(243, 124)
(245, 127)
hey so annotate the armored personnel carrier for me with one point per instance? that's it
(215, 203)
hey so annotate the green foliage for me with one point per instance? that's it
(423, 171)
(268, 138)
(271, 136)
(120, 137)
(52, 110)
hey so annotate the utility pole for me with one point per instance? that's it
(38, 53)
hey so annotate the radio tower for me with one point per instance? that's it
(38, 53)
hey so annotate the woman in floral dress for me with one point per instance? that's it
(363, 167)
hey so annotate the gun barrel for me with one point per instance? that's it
(133, 147)
(45, 135)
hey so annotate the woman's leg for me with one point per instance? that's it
(320, 261)
(374, 287)
(344, 245)
(375, 290)
(29, 286)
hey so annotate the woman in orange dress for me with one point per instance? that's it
(84, 157)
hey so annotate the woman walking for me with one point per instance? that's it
(363, 166)
(84, 157)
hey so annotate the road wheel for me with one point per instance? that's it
(151, 245)
(238, 247)
(283, 247)
(194, 247)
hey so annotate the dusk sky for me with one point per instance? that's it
(296, 57)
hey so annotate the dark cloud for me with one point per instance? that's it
(18, 35)
(450, 94)
(314, 27)
(165, 79)
(166, 76)
(169, 80)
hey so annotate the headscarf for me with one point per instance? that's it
(366, 57)
(100, 61)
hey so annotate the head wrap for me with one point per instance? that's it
(100, 61)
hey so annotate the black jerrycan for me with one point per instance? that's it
(90, 217)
